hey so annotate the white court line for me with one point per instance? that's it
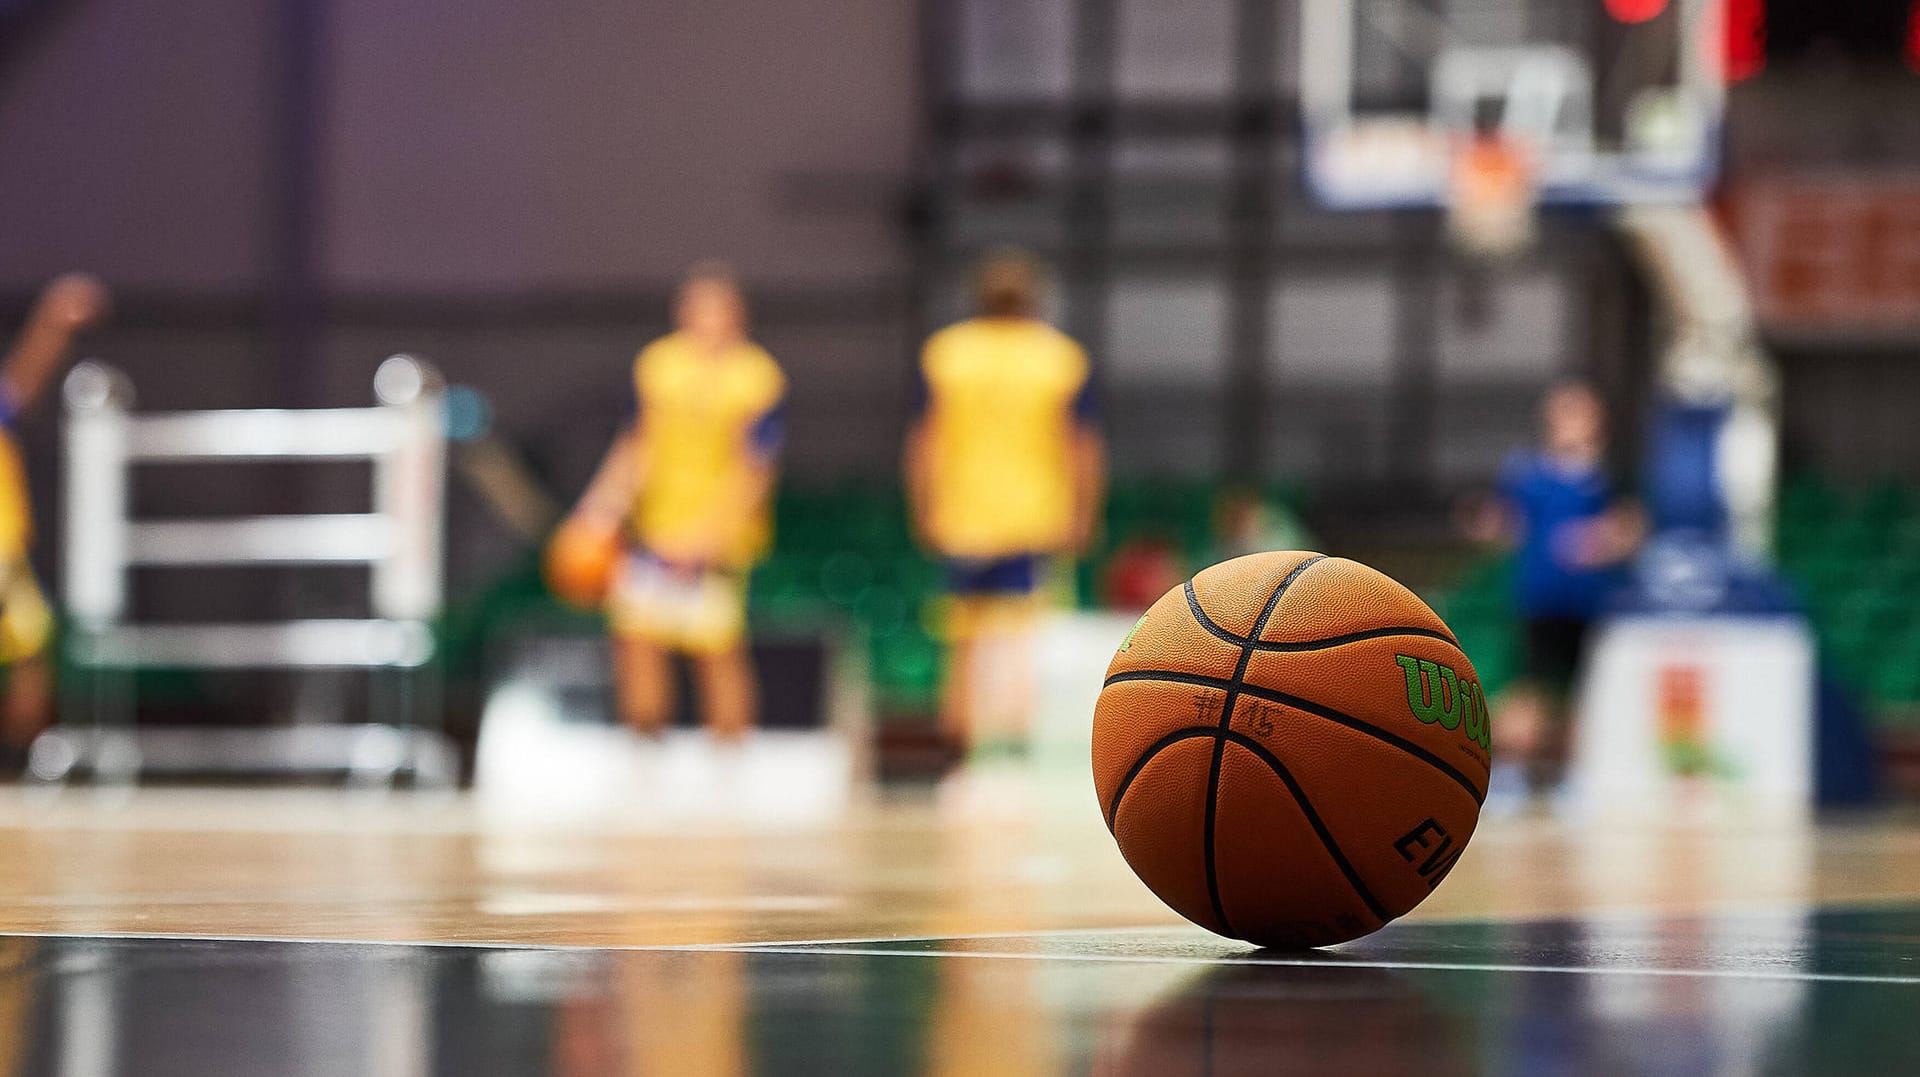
(314, 940)
(1419, 966)
(1623, 912)
(806, 949)
(691, 947)
(1066, 932)
(1663, 911)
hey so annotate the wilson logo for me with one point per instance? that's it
(1439, 858)
(1437, 695)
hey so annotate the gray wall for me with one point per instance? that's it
(134, 141)
(509, 188)
(464, 146)
(470, 155)
(503, 146)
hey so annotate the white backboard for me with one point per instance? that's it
(1616, 103)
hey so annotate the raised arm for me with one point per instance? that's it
(69, 304)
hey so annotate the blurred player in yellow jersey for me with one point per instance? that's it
(69, 305)
(1005, 467)
(691, 483)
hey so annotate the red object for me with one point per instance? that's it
(1746, 39)
(1832, 254)
(1636, 11)
(1140, 571)
(1913, 36)
(1683, 710)
(1683, 719)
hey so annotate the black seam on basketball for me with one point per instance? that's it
(1213, 629)
(1206, 622)
(1175, 737)
(1286, 777)
(1226, 728)
(1313, 820)
(1266, 646)
(1317, 710)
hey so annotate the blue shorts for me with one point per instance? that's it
(967, 577)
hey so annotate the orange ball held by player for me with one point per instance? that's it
(580, 563)
(1291, 749)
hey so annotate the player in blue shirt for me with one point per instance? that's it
(1572, 533)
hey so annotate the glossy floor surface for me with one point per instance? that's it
(985, 927)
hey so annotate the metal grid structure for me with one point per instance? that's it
(400, 540)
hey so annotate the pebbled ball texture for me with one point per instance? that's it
(1291, 749)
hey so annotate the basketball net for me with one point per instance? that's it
(1493, 197)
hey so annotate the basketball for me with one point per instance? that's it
(1291, 749)
(580, 562)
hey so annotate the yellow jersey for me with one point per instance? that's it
(707, 424)
(1004, 397)
(16, 510)
(26, 622)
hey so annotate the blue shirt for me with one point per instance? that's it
(1550, 502)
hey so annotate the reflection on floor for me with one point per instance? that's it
(988, 926)
(1746, 993)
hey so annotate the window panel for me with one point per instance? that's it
(1333, 331)
(1012, 49)
(1175, 48)
(1167, 331)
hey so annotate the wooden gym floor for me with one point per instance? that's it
(984, 927)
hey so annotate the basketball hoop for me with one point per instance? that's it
(1492, 197)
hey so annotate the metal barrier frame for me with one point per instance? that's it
(404, 437)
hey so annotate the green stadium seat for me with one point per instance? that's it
(1897, 678)
(1887, 502)
(1809, 497)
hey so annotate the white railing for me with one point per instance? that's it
(400, 541)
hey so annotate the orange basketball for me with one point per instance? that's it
(580, 562)
(1291, 749)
